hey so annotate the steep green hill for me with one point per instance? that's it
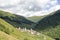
(17, 34)
(35, 18)
(4, 36)
(16, 20)
(50, 25)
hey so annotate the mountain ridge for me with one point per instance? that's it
(10, 28)
(16, 20)
(50, 25)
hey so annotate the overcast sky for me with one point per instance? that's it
(30, 7)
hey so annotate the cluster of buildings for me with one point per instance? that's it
(30, 31)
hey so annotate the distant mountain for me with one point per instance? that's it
(50, 25)
(35, 18)
(16, 20)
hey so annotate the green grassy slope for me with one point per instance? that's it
(50, 25)
(35, 18)
(10, 30)
(16, 20)
(4, 36)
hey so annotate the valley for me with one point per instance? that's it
(18, 28)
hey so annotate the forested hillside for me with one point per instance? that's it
(16, 20)
(50, 25)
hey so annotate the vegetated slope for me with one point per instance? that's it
(35, 18)
(16, 20)
(4, 36)
(50, 25)
(10, 30)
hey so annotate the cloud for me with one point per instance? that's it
(43, 3)
(29, 7)
(54, 8)
(54, 2)
(8, 2)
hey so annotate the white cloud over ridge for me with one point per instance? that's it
(29, 8)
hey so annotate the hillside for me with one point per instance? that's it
(4, 36)
(17, 34)
(35, 18)
(16, 20)
(50, 25)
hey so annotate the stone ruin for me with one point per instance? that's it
(30, 31)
